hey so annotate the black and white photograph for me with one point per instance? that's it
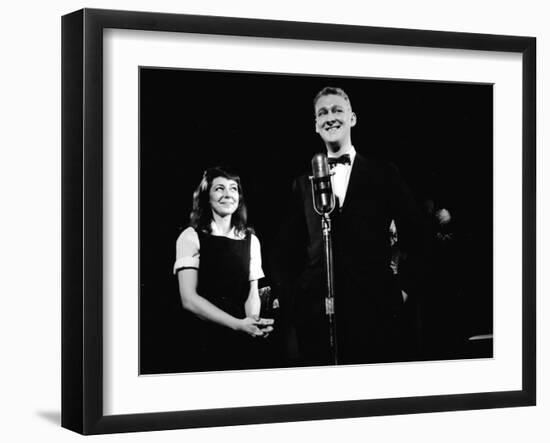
(300, 221)
(272, 221)
(275, 221)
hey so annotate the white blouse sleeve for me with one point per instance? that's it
(256, 271)
(187, 250)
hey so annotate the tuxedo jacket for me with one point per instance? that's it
(367, 293)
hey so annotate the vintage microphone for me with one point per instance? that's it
(323, 204)
(321, 185)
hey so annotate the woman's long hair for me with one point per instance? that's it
(201, 215)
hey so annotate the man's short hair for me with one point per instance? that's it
(331, 90)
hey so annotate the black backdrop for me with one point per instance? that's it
(440, 135)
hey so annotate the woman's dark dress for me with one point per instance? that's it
(223, 279)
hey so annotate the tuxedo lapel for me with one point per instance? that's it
(357, 178)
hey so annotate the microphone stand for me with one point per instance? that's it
(329, 299)
(324, 212)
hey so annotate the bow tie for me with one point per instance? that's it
(343, 160)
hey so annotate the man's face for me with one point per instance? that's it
(334, 120)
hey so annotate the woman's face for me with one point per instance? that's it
(224, 196)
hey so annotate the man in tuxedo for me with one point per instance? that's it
(368, 294)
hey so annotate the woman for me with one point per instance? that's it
(218, 264)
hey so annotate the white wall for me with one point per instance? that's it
(30, 218)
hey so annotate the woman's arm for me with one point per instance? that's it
(202, 308)
(253, 303)
(252, 308)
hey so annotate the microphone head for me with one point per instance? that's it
(321, 185)
(319, 165)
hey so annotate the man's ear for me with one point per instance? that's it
(316, 127)
(353, 119)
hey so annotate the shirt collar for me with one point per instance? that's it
(216, 232)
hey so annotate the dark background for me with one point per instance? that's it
(440, 135)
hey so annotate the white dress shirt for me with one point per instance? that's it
(340, 177)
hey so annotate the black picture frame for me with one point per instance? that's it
(82, 220)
